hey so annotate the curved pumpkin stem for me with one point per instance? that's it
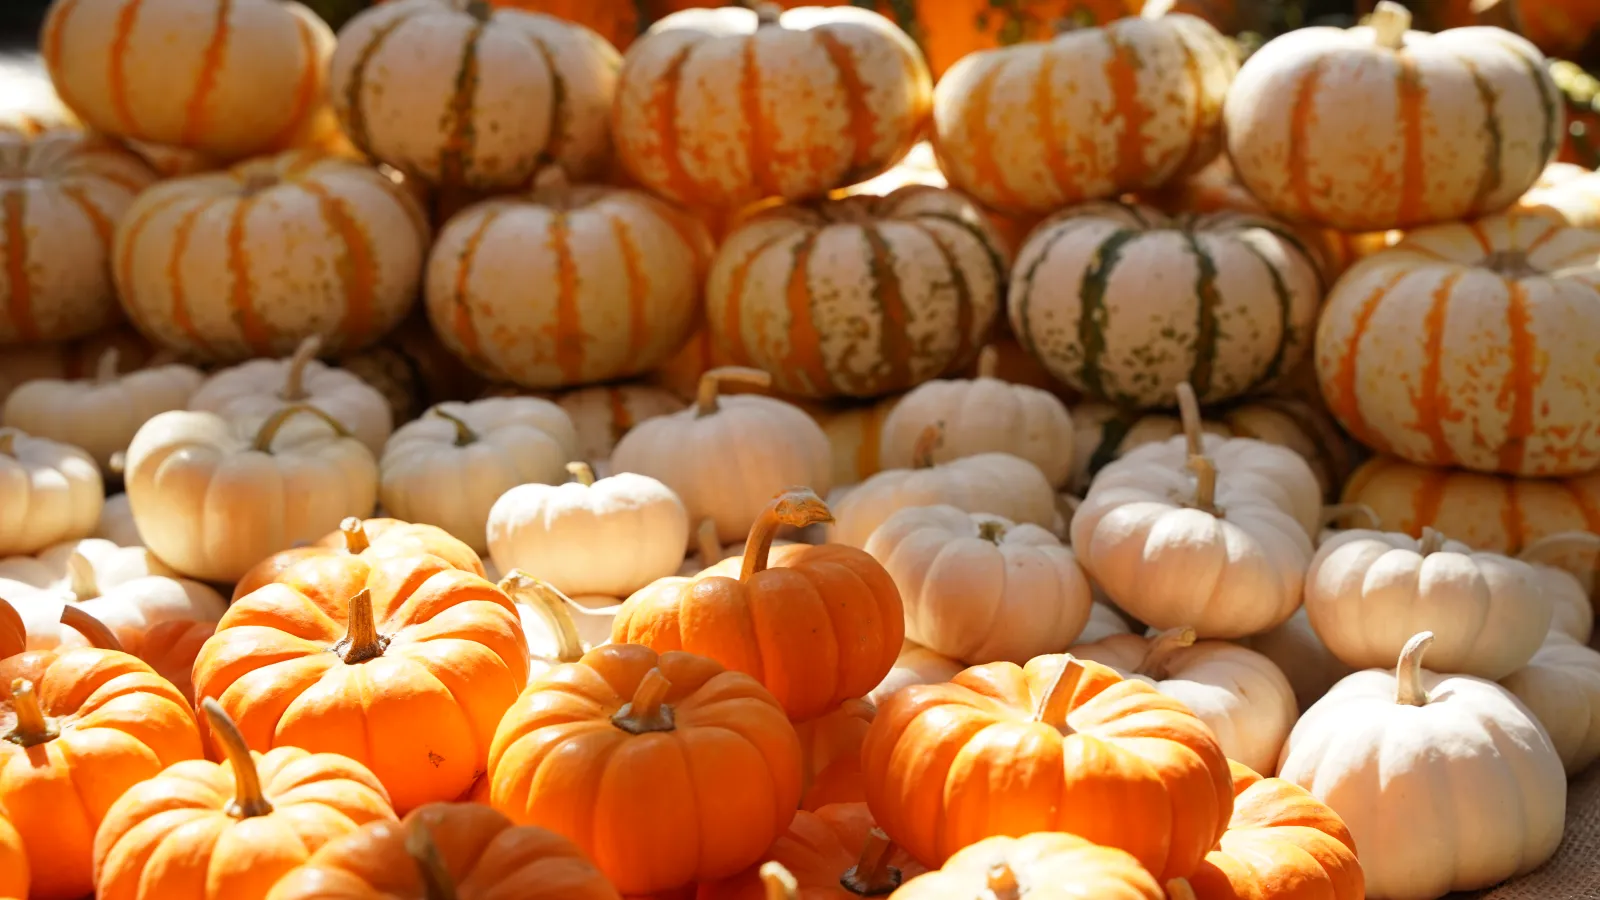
(992, 531)
(988, 361)
(1408, 673)
(927, 442)
(1338, 511)
(1543, 549)
(872, 876)
(543, 598)
(269, 428)
(706, 545)
(81, 579)
(33, 727)
(1179, 889)
(464, 433)
(1052, 706)
(435, 875)
(361, 640)
(1432, 541)
(294, 381)
(581, 472)
(779, 882)
(1002, 882)
(105, 371)
(767, 13)
(1205, 484)
(1389, 23)
(648, 710)
(100, 637)
(1160, 650)
(355, 535)
(710, 387)
(8, 443)
(1189, 417)
(248, 799)
(796, 507)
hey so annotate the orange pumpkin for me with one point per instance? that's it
(831, 754)
(366, 538)
(350, 654)
(1045, 864)
(13, 863)
(835, 853)
(948, 30)
(816, 625)
(171, 648)
(460, 851)
(228, 831)
(616, 751)
(1004, 749)
(13, 636)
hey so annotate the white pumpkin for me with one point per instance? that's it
(1241, 695)
(212, 497)
(1367, 592)
(725, 457)
(1561, 687)
(980, 588)
(49, 493)
(100, 414)
(116, 523)
(573, 535)
(1445, 781)
(1104, 621)
(916, 664)
(448, 466)
(1302, 656)
(1572, 611)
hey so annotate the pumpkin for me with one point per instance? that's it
(176, 72)
(100, 415)
(1009, 123)
(1560, 686)
(605, 751)
(374, 538)
(915, 664)
(726, 456)
(61, 196)
(859, 296)
(1043, 864)
(1104, 622)
(291, 245)
(816, 625)
(1514, 288)
(13, 632)
(1296, 649)
(170, 648)
(566, 285)
(1454, 125)
(1572, 613)
(49, 493)
(372, 645)
(982, 415)
(1242, 696)
(830, 755)
(834, 853)
(1370, 751)
(854, 429)
(228, 831)
(1367, 592)
(549, 622)
(569, 533)
(826, 98)
(1123, 303)
(116, 523)
(462, 851)
(13, 863)
(412, 369)
(602, 414)
(1568, 193)
(213, 498)
(981, 588)
(83, 726)
(450, 466)
(259, 388)
(71, 359)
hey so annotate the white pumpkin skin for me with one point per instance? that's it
(1104, 621)
(1427, 822)
(116, 523)
(1302, 656)
(995, 483)
(916, 664)
(980, 588)
(1561, 687)
(49, 493)
(450, 465)
(1572, 614)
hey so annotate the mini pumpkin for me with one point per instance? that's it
(1043, 865)
(13, 631)
(367, 538)
(834, 853)
(171, 649)
(1560, 686)
(13, 863)
(603, 413)
(830, 747)
(49, 493)
(116, 523)
(915, 664)
(1566, 192)
(1303, 658)
(1573, 612)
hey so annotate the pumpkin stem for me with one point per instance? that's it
(8, 443)
(1052, 706)
(248, 799)
(766, 13)
(543, 598)
(1189, 416)
(1408, 673)
(1160, 650)
(779, 882)
(355, 535)
(105, 371)
(1552, 545)
(705, 395)
(872, 876)
(581, 472)
(1390, 21)
(118, 463)
(32, 728)
(478, 9)
(1179, 889)
(927, 442)
(80, 577)
(1338, 511)
(436, 882)
(796, 507)
(294, 387)
(361, 640)
(1002, 882)
(988, 361)
(1205, 484)
(100, 637)
(269, 428)
(707, 547)
(647, 711)
(1432, 541)
(464, 433)
(992, 530)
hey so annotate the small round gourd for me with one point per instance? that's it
(1560, 686)
(49, 493)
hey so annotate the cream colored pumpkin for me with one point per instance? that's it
(231, 81)
(250, 261)
(1572, 613)
(1302, 657)
(855, 432)
(983, 415)
(572, 535)
(1561, 687)
(1095, 113)
(100, 414)
(725, 457)
(61, 196)
(1379, 127)
(723, 107)
(49, 493)
(1242, 696)
(116, 523)
(213, 497)
(980, 588)
(602, 414)
(464, 95)
(859, 296)
(547, 622)
(1427, 822)
(567, 285)
(1568, 193)
(1104, 621)
(916, 664)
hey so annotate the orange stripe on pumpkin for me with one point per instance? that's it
(305, 92)
(252, 328)
(621, 419)
(1520, 379)
(102, 224)
(195, 115)
(456, 153)
(180, 299)
(123, 274)
(461, 320)
(1585, 505)
(863, 124)
(50, 47)
(1197, 118)
(894, 344)
(759, 153)
(1342, 399)
(633, 270)
(868, 458)
(1055, 157)
(356, 265)
(1122, 76)
(804, 364)
(567, 330)
(663, 123)
(19, 282)
(732, 335)
(1511, 513)
(1476, 230)
(117, 61)
(981, 143)
(1426, 402)
(1300, 119)
(1411, 109)
(1428, 499)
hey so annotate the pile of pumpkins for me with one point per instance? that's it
(760, 503)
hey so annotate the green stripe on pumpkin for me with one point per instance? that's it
(894, 342)
(558, 133)
(958, 283)
(1286, 335)
(455, 157)
(1094, 313)
(357, 112)
(1021, 294)
(1490, 181)
(1207, 329)
(1549, 102)
(1113, 432)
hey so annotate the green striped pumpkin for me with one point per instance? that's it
(1124, 303)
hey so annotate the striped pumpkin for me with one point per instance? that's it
(231, 79)
(1092, 114)
(858, 297)
(1124, 303)
(567, 285)
(725, 107)
(602, 414)
(61, 196)
(250, 261)
(1378, 127)
(1471, 345)
(1569, 193)
(855, 431)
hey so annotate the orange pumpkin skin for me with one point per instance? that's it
(1062, 865)
(935, 785)
(171, 647)
(120, 723)
(562, 761)
(818, 849)
(383, 537)
(13, 864)
(948, 30)
(484, 855)
(831, 754)
(13, 636)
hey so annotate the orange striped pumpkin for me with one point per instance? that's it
(1567, 192)
(1378, 127)
(230, 79)
(725, 107)
(858, 297)
(466, 96)
(61, 195)
(1471, 345)
(250, 261)
(568, 285)
(1092, 114)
